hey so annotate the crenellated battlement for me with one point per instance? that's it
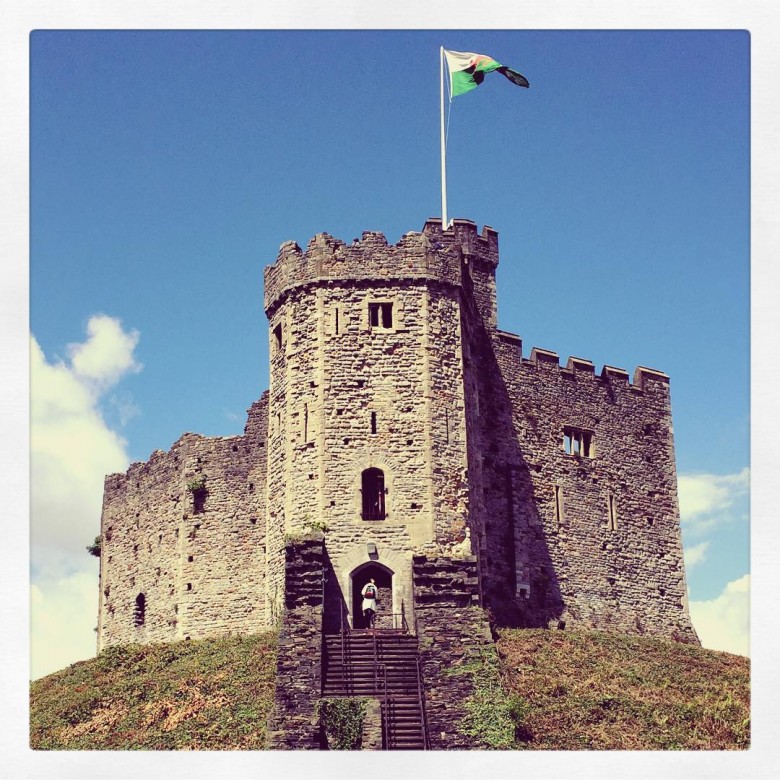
(432, 254)
(576, 367)
(462, 233)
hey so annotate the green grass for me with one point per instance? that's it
(212, 694)
(601, 691)
(545, 690)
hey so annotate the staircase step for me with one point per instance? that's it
(382, 665)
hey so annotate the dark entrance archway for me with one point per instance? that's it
(383, 577)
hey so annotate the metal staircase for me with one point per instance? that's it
(383, 664)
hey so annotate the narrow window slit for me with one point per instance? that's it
(612, 512)
(139, 613)
(558, 493)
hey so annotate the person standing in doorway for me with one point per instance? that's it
(369, 594)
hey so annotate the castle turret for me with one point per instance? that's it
(367, 407)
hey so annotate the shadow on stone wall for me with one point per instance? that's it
(336, 612)
(506, 525)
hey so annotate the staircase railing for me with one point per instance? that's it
(376, 662)
(344, 629)
(421, 703)
(385, 707)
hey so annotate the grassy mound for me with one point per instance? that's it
(550, 690)
(600, 691)
(212, 694)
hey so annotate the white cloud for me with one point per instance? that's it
(107, 355)
(695, 554)
(71, 450)
(724, 622)
(63, 616)
(707, 500)
(71, 447)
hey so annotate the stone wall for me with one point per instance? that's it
(294, 723)
(567, 538)
(328, 259)
(371, 738)
(201, 572)
(452, 631)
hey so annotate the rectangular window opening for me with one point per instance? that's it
(278, 336)
(380, 315)
(373, 422)
(577, 442)
(199, 501)
(336, 320)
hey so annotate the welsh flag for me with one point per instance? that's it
(467, 71)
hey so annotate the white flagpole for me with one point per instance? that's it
(443, 149)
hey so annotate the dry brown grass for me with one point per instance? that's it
(601, 691)
(209, 695)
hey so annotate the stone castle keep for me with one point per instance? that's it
(406, 428)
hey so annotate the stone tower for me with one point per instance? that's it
(367, 409)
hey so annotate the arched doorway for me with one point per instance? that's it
(383, 578)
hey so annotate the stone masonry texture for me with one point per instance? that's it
(557, 481)
(453, 632)
(294, 723)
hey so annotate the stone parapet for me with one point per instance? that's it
(329, 261)
(452, 631)
(294, 723)
(432, 255)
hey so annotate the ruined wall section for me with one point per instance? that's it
(454, 635)
(201, 572)
(293, 724)
(597, 534)
(140, 550)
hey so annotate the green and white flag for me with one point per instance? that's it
(467, 71)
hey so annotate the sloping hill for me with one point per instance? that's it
(212, 694)
(551, 690)
(600, 691)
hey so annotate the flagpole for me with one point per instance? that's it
(443, 148)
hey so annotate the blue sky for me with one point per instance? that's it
(166, 168)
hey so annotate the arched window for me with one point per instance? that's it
(139, 614)
(373, 490)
